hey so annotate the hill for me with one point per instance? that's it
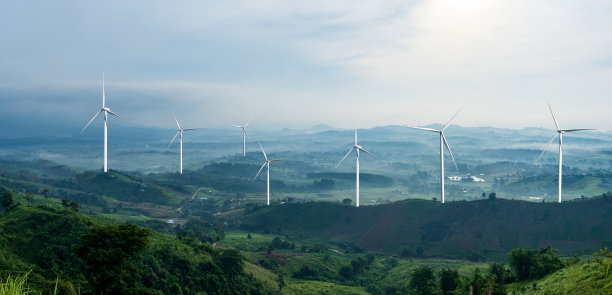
(476, 229)
(101, 255)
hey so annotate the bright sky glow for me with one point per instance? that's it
(296, 64)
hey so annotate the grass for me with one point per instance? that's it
(266, 277)
(586, 278)
(18, 286)
(239, 240)
(299, 287)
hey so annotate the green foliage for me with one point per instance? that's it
(449, 280)
(528, 263)
(347, 201)
(6, 200)
(422, 280)
(277, 243)
(478, 283)
(58, 287)
(107, 251)
(203, 230)
(521, 261)
(29, 197)
(15, 286)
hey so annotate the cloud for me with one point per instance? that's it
(296, 64)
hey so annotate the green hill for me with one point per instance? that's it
(584, 278)
(51, 243)
(484, 228)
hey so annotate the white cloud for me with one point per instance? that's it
(346, 63)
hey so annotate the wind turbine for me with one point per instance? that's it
(266, 163)
(443, 143)
(244, 135)
(180, 131)
(106, 111)
(560, 133)
(356, 148)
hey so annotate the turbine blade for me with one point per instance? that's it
(423, 128)
(177, 123)
(355, 136)
(110, 112)
(262, 150)
(546, 148)
(276, 160)
(93, 118)
(177, 133)
(103, 95)
(574, 130)
(236, 126)
(351, 150)
(262, 166)
(189, 129)
(449, 151)
(453, 117)
(248, 122)
(245, 132)
(553, 115)
(363, 150)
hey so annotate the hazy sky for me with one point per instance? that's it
(300, 63)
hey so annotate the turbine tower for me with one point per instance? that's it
(266, 163)
(443, 143)
(560, 133)
(180, 132)
(244, 135)
(106, 111)
(356, 148)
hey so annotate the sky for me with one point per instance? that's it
(296, 64)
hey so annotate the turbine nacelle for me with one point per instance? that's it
(443, 143)
(559, 133)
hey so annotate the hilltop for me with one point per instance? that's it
(476, 229)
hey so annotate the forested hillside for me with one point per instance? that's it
(476, 229)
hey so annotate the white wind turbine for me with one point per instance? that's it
(560, 133)
(180, 132)
(106, 111)
(266, 163)
(244, 135)
(443, 143)
(356, 148)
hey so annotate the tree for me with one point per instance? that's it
(497, 272)
(521, 260)
(281, 281)
(422, 280)
(449, 279)
(107, 251)
(492, 196)
(65, 203)
(74, 206)
(546, 261)
(347, 201)
(29, 197)
(6, 200)
(478, 283)
(45, 193)
(497, 278)
(346, 272)
(231, 262)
